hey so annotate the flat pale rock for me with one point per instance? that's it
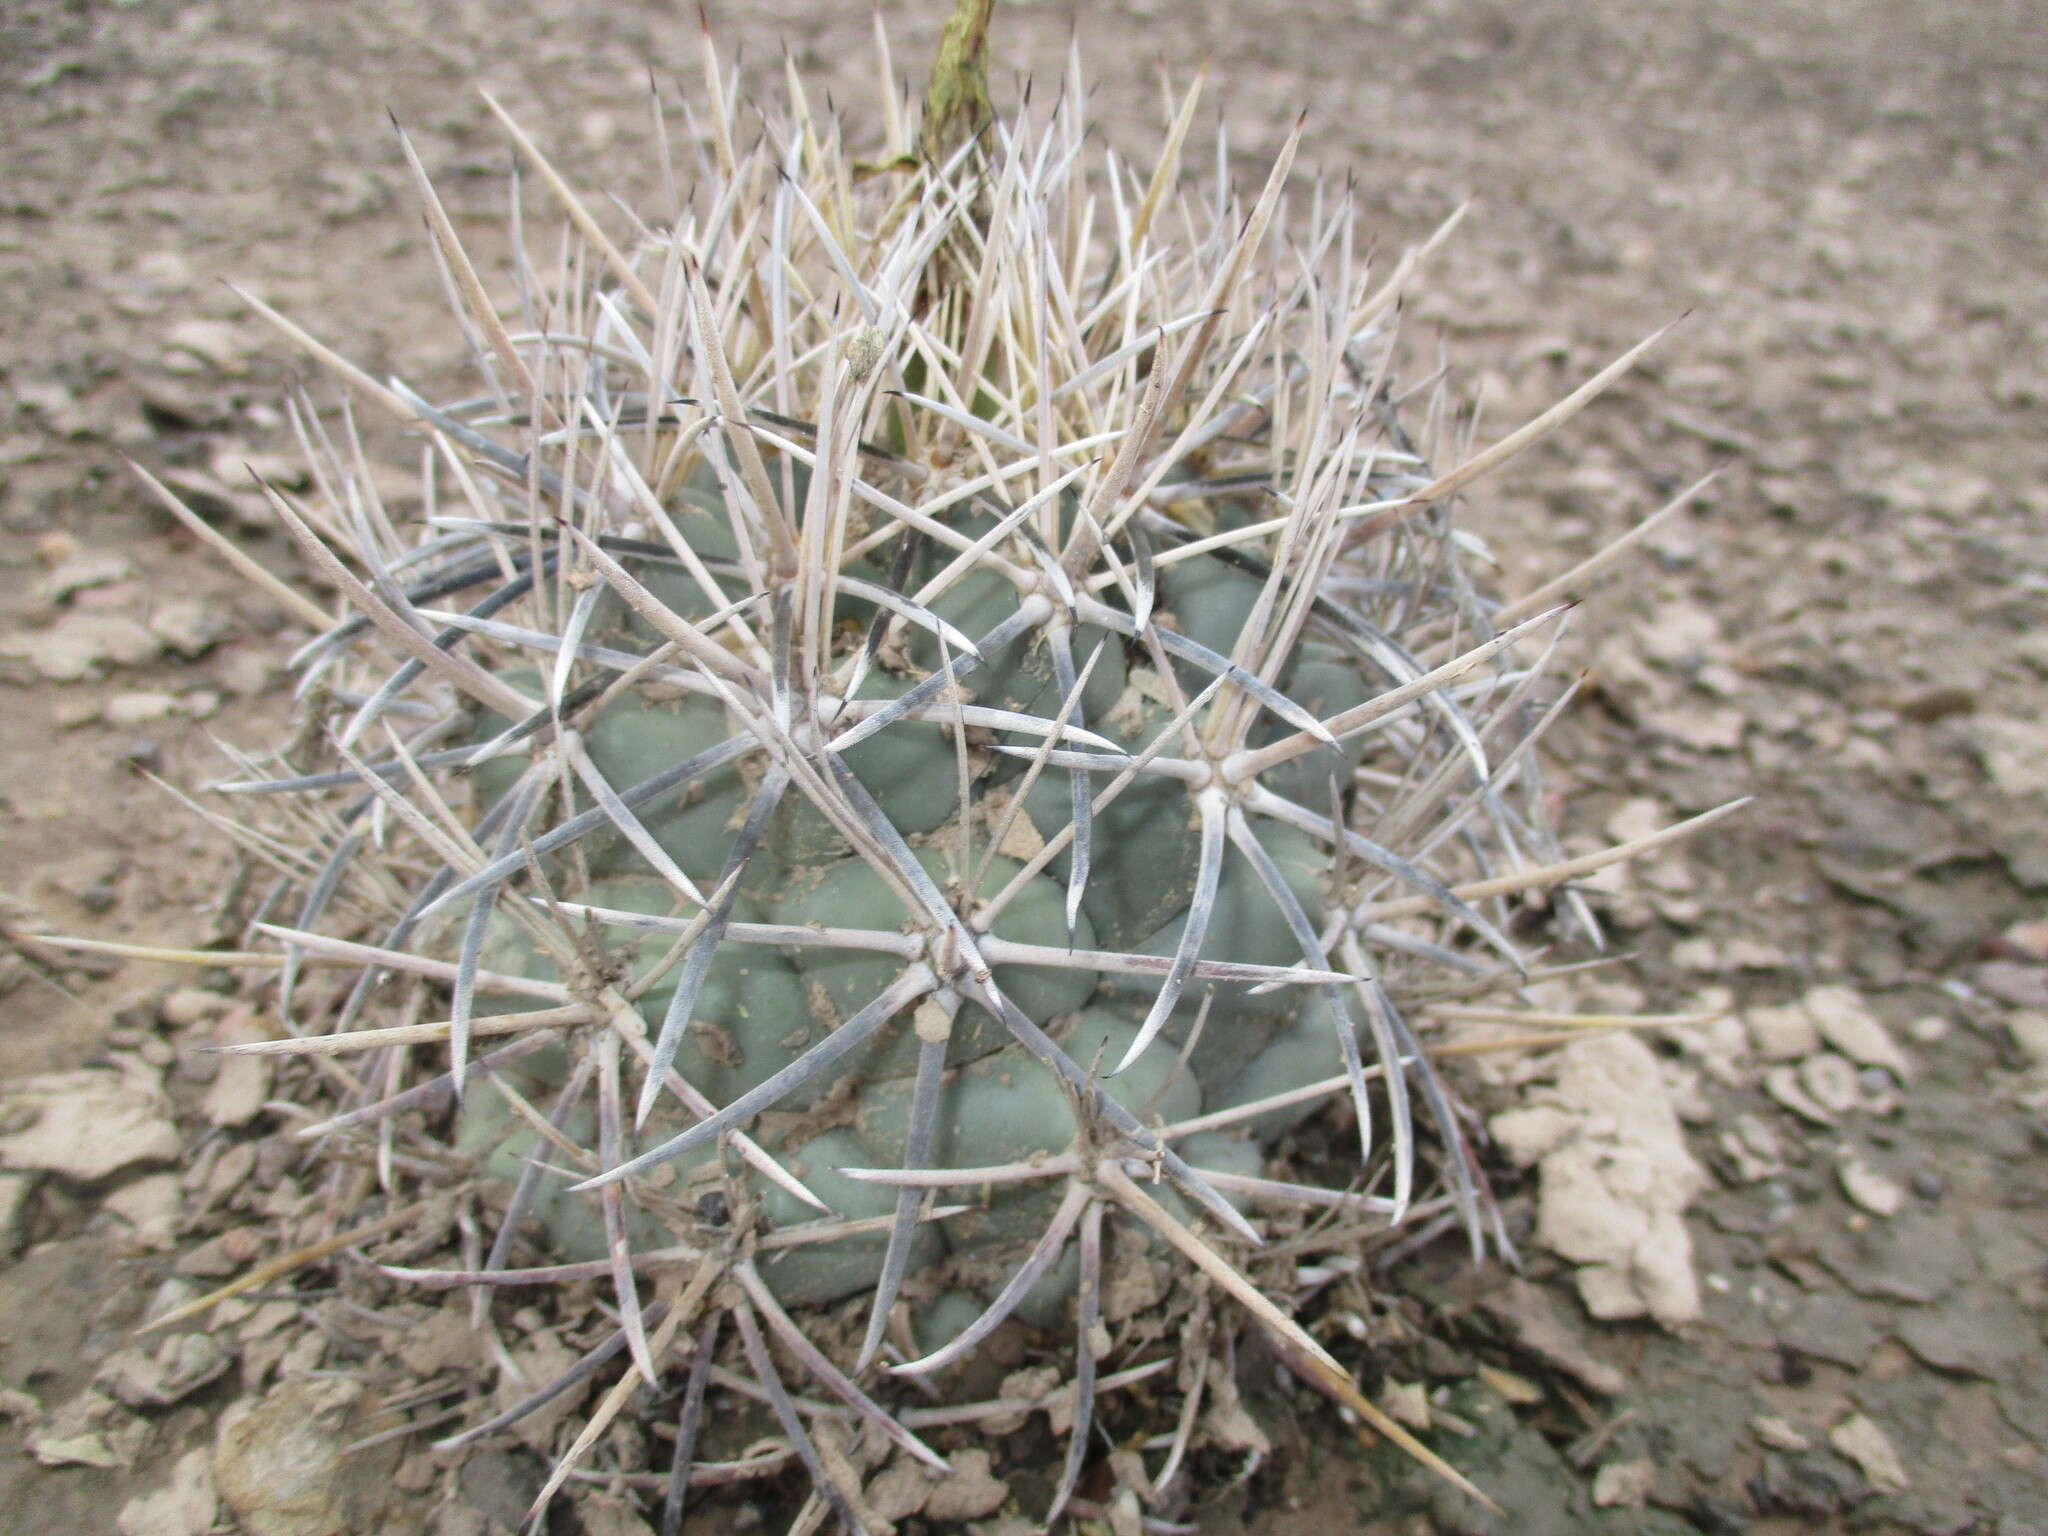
(157, 1378)
(1637, 818)
(279, 1465)
(1624, 1484)
(1977, 1330)
(1847, 1023)
(86, 1125)
(1782, 1083)
(219, 344)
(150, 1205)
(2029, 1032)
(1611, 1192)
(187, 625)
(1540, 1326)
(1680, 635)
(1862, 1442)
(2014, 754)
(89, 568)
(1869, 1188)
(1589, 1208)
(1831, 1082)
(1778, 1433)
(1527, 1132)
(81, 645)
(2016, 985)
(242, 1083)
(1782, 1034)
(92, 1430)
(185, 1506)
(129, 710)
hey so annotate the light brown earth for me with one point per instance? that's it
(1845, 200)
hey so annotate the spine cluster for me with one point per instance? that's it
(927, 721)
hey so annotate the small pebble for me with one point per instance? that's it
(1868, 1188)
(1831, 1081)
(128, 710)
(192, 1005)
(1778, 1433)
(1782, 1084)
(1928, 1184)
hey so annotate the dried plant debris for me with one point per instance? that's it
(931, 714)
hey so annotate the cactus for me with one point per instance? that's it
(933, 715)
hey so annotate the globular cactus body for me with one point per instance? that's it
(969, 716)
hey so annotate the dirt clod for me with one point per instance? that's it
(281, 1465)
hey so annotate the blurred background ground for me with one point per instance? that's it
(1844, 195)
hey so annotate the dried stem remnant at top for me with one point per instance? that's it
(956, 104)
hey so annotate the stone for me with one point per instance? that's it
(1407, 1402)
(187, 625)
(217, 344)
(1846, 1023)
(280, 1465)
(2014, 754)
(87, 1124)
(1929, 1030)
(603, 1517)
(238, 1090)
(1782, 1034)
(90, 568)
(54, 405)
(191, 1005)
(125, 711)
(2029, 1031)
(81, 645)
(970, 1493)
(173, 1370)
(92, 1430)
(1624, 1484)
(1527, 1133)
(1832, 1327)
(1830, 1081)
(150, 1205)
(1975, 1331)
(1919, 1257)
(1539, 1325)
(2016, 985)
(1782, 1083)
(1868, 1188)
(1861, 1441)
(1610, 1196)
(184, 1506)
(1778, 1433)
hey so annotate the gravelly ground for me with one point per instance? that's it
(1846, 199)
